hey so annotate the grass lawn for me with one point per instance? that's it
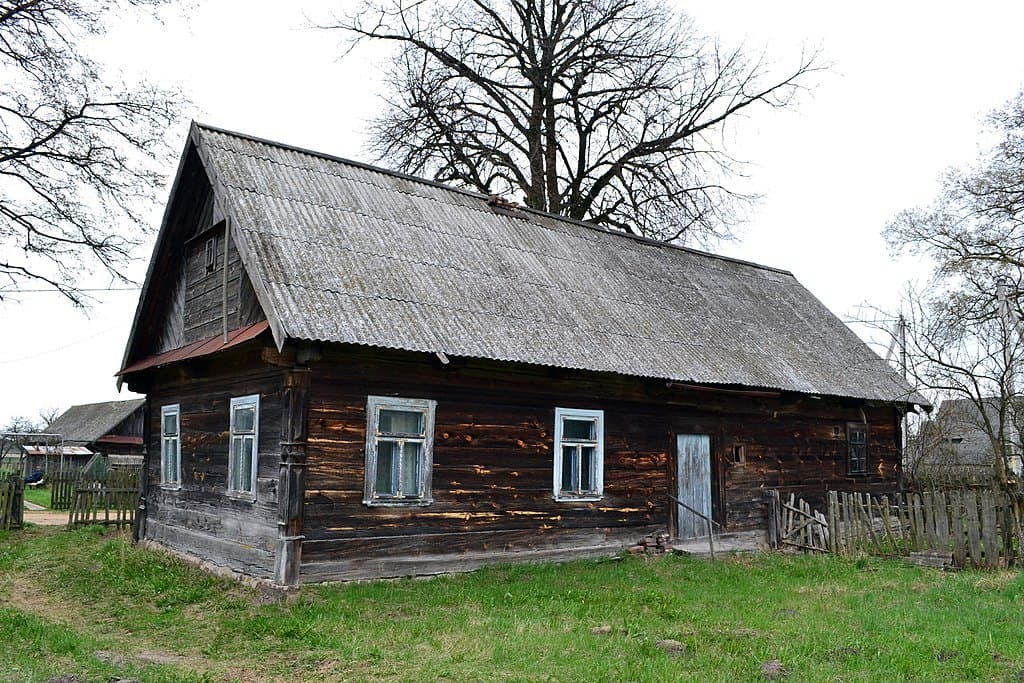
(87, 603)
(38, 496)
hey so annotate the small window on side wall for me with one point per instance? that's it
(857, 438)
(243, 447)
(170, 447)
(579, 454)
(399, 450)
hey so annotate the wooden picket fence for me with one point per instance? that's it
(96, 503)
(960, 528)
(64, 484)
(12, 502)
(793, 523)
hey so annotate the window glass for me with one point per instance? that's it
(400, 422)
(582, 430)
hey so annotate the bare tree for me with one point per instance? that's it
(964, 338)
(974, 230)
(613, 111)
(78, 151)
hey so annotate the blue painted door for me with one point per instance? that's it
(693, 484)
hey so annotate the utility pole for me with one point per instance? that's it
(1008, 411)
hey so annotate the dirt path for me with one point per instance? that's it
(47, 517)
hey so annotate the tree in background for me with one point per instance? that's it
(964, 335)
(613, 111)
(79, 152)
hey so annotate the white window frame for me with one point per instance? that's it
(579, 414)
(173, 409)
(428, 407)
(244, 401)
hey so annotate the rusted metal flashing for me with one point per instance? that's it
(199, 348)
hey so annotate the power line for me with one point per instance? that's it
(54, 289)
(59, 348)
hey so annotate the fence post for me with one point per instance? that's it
(771, 500)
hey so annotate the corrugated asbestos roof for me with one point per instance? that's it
(343, 252)
(87, 423)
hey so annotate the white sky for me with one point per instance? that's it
(909, 85)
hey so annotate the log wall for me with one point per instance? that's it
(200, 519)
(492, 461)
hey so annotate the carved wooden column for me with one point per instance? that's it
(291, 487)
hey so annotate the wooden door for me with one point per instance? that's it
(693, 484)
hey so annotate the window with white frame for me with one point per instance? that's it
(243, 446)
(399, 445)
(170, 446)
(579, 454)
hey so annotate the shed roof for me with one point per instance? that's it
(87, 423)
(339, 251)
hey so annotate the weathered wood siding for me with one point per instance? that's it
(205, 301)
(492, 476)
(200, 519)
(187, 300)
(492, 471)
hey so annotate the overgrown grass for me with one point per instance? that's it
(38, 496)
(64, 596)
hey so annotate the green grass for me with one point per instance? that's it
(64, 596)
(38, 496)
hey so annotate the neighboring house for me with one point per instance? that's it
(955, 447)
(353, 373)
(112, 429)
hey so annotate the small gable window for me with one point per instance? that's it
(857, 438)
(211, 254)
(399, 445)
(579, 454)
(170, 447)
(243, 447)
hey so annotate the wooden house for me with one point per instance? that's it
(111, 430)
(354, 373)
(955, 448)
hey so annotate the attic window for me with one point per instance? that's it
(211, 254)
(739, 454)
(837, 432)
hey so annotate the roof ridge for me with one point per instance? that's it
(478, 195)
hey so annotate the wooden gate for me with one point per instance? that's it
(12, 502)
(693, 484)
